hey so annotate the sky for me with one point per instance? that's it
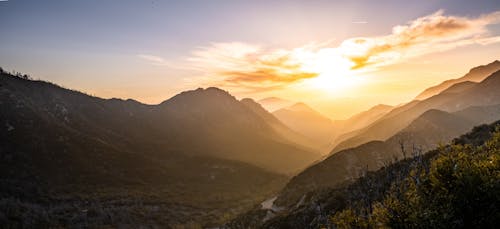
(340, 57)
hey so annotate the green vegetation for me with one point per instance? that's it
(460, 188)
(454, 186)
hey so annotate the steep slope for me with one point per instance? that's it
(476, 74)
(293, 137)
(310, 123)
(67, 153)
(199, 122)
(211, 121)
(350, 127)
(365, 118)
(272, 104)
(318, 208)
(424, 133)
(482, 94)
(459, 87)
(411, 192)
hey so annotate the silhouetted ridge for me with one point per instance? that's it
(475, 74)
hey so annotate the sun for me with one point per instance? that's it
(334, 71)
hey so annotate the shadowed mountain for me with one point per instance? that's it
(199, 122)
(272, 104)
(283, 130)
(459, 97)
(424, 133)
(350, 127)
(310, 123)
(211, 121)
(476, 74)
(365, 118)
(71, 152)
(400, 187)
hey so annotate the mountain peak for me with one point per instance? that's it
(493, 65)
(273, 99)
(300, 106)
(249, 101)
(475, 74)
(381, 106)
(274, 103)
(209, 93)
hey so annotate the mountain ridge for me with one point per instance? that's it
(475, 74)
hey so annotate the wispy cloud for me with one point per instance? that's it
(250, 66)
(431, 33)
(254, 67)
(155, 60)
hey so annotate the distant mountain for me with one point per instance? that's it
(198, 122)
(274, 103)
(350, 127)
(476, 74)
(459, 87)
(419, 186)
(459, 97)
(423, 134)
(310, 123)
(364, 118)
(468, 105)
(71, 152)
(283, 130)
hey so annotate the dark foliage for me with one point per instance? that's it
(72, 160)
(454, 186)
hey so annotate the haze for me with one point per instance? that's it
(340, 57)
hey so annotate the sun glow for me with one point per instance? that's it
(334, 72)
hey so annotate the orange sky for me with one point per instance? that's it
(341, 57)
(340, 78)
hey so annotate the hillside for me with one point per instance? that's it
(309, 123)
(199, 122)
(76, 159)
(272, 104)
(484, 93)
(406, 192)
(424, 133)
(351, 126)
(476, 74)
(284, 131)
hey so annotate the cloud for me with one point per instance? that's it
(155, 60)
(255, 68)
(431, 33)
(250, 66)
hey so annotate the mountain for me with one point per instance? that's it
(406, 192)
(312, 191)
(74, 159)
(481, 94)
(308, 122)
(283, 130)
(459, 87)
(424, 133)
(274, 103)
(350, 127)
(199, 122)
(476, 74)
(211, 121)
(365, 118)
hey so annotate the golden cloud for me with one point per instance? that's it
(241, 64)
(431, 33)
(255, 68)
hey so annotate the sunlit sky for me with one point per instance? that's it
(341, 57)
